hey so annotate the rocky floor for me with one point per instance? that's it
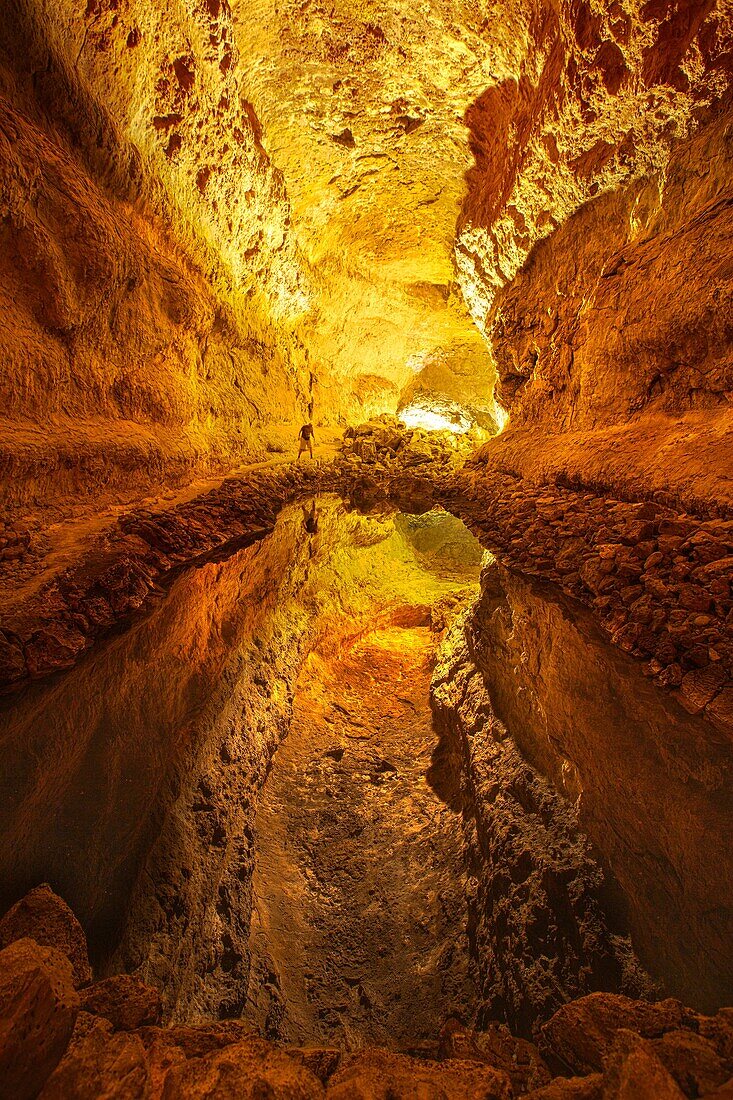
(64, 1036)
(359, 928)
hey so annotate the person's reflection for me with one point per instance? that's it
(310, 519)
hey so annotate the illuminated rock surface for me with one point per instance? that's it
(220, 220)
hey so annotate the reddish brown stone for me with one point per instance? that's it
(691, 1060)
(249, 1070)
(38, 1007)
(635, 1073)
(99, 1065)
(44, 917)
(197, 1042)
(379, 1075)
(497, 1047)
(570, 1088)
(581, 1033)
(123, 1000)
(321, 1061)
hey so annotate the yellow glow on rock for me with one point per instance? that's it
(420, 416)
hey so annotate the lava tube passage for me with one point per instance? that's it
(366, 550)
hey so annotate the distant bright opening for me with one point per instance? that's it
(419, 416)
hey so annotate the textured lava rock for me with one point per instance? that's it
(495, 1045)
(378, 1075)
(570, 1088)
(635, 1071)
(582, 1033)
(101, 1064)
(197, 1042)
(38, 1007)
(245, 1071)
(44, 917)
(124, 1000)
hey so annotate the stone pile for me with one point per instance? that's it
(387, 445)
(658, 580)
(66, 1037)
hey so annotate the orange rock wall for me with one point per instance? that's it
(140, 285)
(649, 782)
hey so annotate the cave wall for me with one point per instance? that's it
(594, 250)
(596, 253)
(544, 920)
(649, 783)
(150, 285)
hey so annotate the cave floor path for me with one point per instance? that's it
(359, 921)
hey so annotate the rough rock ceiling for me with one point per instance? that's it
(362, 108)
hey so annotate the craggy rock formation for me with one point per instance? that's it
(599, 102)
(219, 219)
(45, 918)
(38, 1007)
(601, 1047)
(540, 904)
(628, 759)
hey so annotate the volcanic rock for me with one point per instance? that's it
(378, 1075)
(38, 1007)
(123, 1000)
(581, 1034)
(44, 917)
(247, 1070)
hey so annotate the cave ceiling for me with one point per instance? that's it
(362, 109)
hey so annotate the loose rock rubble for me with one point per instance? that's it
(658, 580)
(14, 544)
(386, 444)
(59, 1044)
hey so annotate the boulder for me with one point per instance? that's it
(582, 1032)
(692, 1061)
(124, 1000)
(44, 917)
(635, 1073)
(38, 1007)
(100, 1065)
(497, 1047)
(569, 1088)
(248, 1070)
(322, 1061)
(373, 1074)
(197, 1042)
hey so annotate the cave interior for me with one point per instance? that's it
(366, 549)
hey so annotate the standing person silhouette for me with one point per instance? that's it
(306, 439)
